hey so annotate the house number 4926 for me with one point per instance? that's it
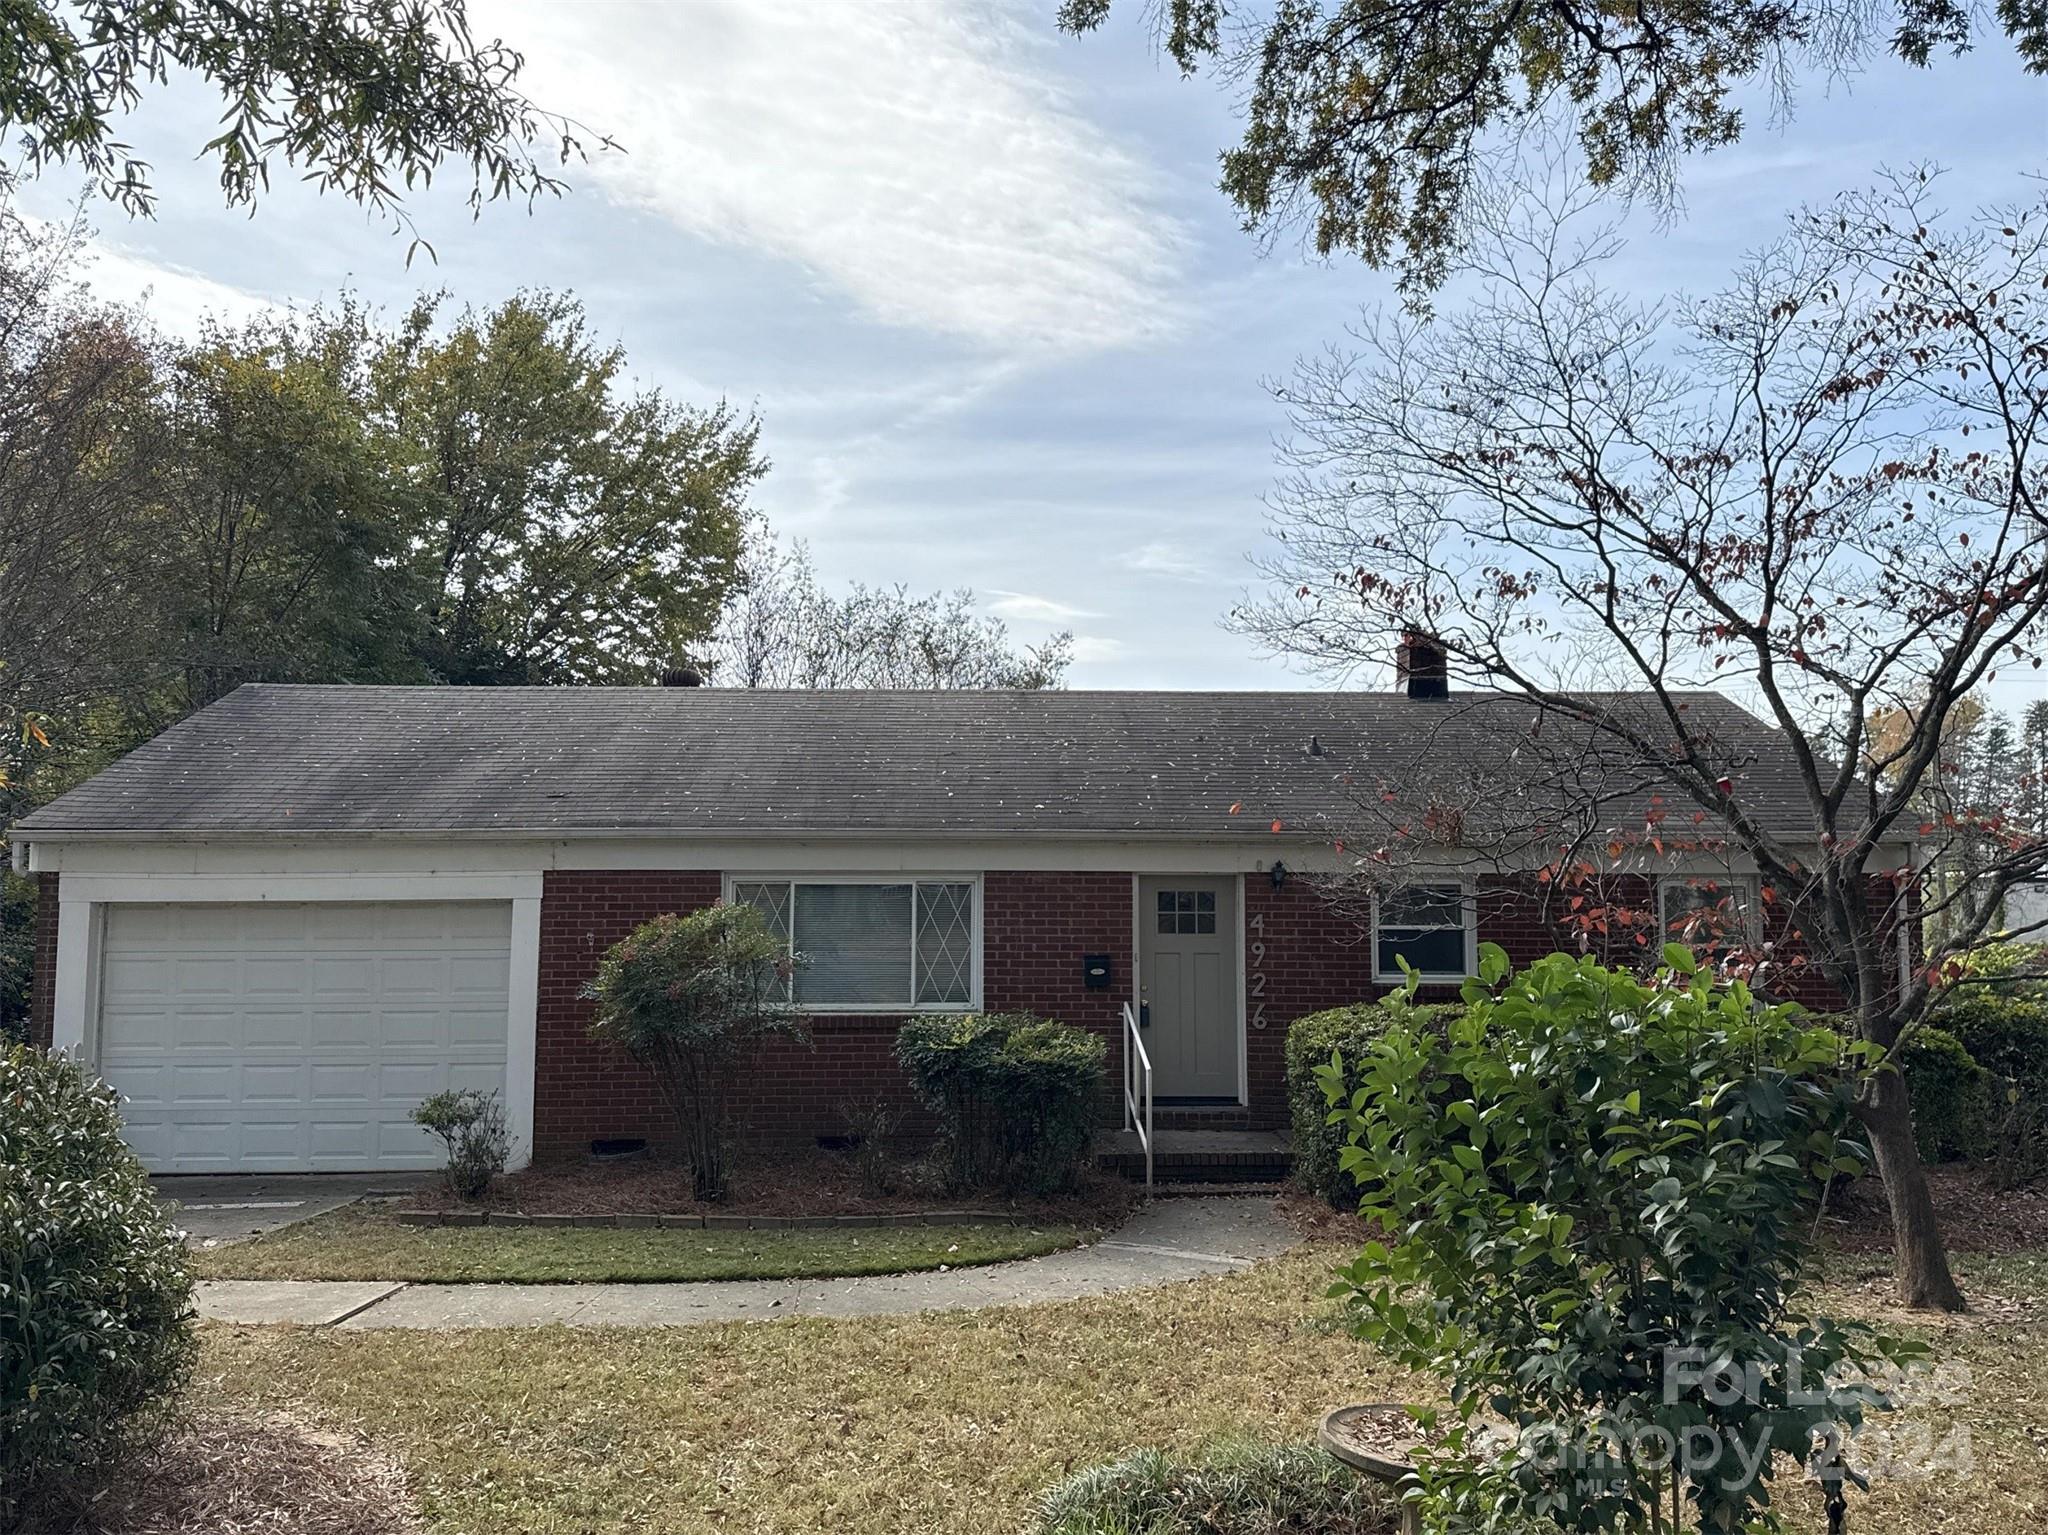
(1255, 983)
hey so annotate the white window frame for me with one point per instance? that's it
(1753, 921)
(1468, 905)
(734, 878)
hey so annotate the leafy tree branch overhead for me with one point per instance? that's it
(1372, 122)
(368, 98)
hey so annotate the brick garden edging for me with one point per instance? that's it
(711, 1222)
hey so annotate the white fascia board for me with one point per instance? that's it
(443, 857)
(440, 859)
(150, 886)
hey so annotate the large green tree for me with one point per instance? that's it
(282, 552)
(569, 529)
(369, 98)
(2034, 764)
(1372, 120)
(80, 446)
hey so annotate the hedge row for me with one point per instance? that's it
(1348, 1032)
(1978, 1073)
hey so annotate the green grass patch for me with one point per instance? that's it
(359, 1242)
(1234, 1488)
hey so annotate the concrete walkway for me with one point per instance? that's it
(1167, 1241)
(216, 1208)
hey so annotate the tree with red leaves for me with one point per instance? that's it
(1819, 491)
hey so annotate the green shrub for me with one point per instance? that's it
(1015, 1094)
(1951, 1096)
(691, 998)
(95, 1302)
(18, 917)
(2024, 963)
(2004, 1026)
(1348, 1032)
(2006, 1032)
(1607, 1186)
(471, 1126)
(1235, 1489)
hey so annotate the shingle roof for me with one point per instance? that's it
(296, 760)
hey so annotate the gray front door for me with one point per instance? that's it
(1187, 977)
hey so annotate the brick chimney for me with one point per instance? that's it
(1422, 667)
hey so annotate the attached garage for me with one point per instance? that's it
(298, 1037)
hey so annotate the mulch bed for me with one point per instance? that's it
(225, 1472)
(1975, 1217)
(821, 1183)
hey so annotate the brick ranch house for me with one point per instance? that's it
(279, 925)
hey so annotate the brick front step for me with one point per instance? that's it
(1201, 1117)
(1199, 1156)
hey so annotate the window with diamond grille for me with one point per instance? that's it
(872, 946)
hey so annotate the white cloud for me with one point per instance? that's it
(914, 155)
(175, 298)
(1023, 607)
(1096, 647)
(1161, 558)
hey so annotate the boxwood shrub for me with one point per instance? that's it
(1952, 1096)
(1015, 1094)
(95, 1302)
(1350, 1032)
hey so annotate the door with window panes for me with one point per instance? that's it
(1187, 982)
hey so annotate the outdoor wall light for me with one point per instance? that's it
(1279, 875)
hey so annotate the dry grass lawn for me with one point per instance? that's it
(223, 1471)
(953, 1423)
(363, 1242)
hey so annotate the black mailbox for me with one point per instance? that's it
(1095, 971)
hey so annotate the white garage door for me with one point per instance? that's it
(298, 1038)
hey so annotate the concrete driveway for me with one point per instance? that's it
(223, 1209)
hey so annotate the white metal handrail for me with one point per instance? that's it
(1138, 1088)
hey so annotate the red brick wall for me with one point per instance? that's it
(1317, 956)
(1035, 928)
(42, 999)
(1310, 957)
(582, 1090)
(1301, 956)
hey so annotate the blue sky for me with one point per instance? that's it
(1002, 330)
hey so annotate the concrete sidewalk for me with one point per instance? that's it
(1167, 1241)
(226, 1207)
